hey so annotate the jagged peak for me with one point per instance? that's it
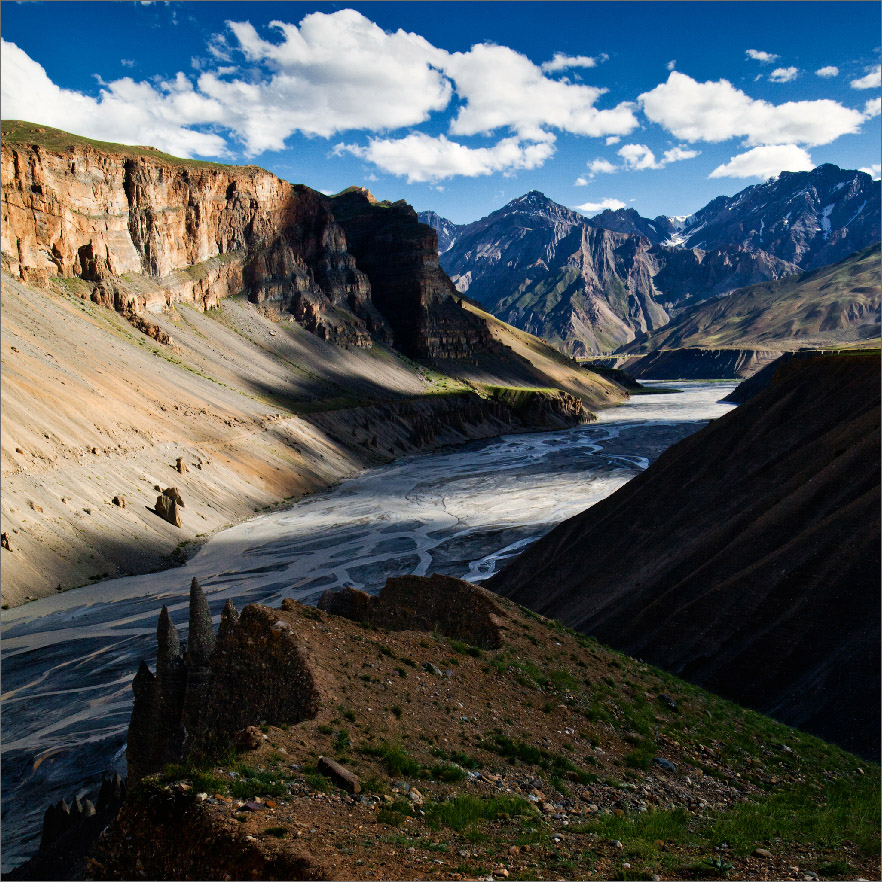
(168, 649)
(229, 619)
(200, 639)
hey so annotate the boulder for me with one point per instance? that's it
(167, 508)
(340, 775)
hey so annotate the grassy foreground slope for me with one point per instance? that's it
(837, 305)
(548, 757)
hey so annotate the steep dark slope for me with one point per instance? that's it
(835, 305)
(746, 558)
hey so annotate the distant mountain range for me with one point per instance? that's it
(591, 285)
(834, 305)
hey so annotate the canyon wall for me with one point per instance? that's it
(144, 231)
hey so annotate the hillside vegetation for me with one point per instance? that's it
(537, 754)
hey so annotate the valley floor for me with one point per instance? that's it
(257, 411)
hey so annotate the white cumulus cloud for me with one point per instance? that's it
(330, 73)
(502, 88)
(565, 62)
(873, 107)
(827, 72)
(717, 111)
(873, 79)
(759, 55)
(784, 74)
(639, 156)
(421, 157)
(872, 170)
(765, 162)
(595, 207)
(671, 64)
(126, 112)
(601, 165)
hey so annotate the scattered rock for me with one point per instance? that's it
(120, 501)
(415, 796)
(180, 465)
(36, 507)
(762, 853)
(668, 701)
(514, 850)
(167, 505)
(250, 738)
(616, 843)
(4, 541)
(667, 765)
(340, 775)
(428, 666)
(19, 450)
(254, 806)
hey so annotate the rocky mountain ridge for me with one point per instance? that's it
(836, 305)
(525, 263)
(539, 266)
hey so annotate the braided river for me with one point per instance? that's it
(68, 660)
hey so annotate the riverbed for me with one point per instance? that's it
(68, 660)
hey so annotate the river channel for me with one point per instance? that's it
(68, 660)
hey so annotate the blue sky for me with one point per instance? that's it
(461, 107)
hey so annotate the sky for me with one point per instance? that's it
(461, 107)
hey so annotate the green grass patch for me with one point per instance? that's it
(395, 759)
(464, 811)
(822, 818)
(530, 755)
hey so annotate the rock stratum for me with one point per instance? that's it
(438, 731)
(170, 324)
(144, 230)
(746, 558)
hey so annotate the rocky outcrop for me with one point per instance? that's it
(146, 230)
(543, 408)
(400, 257)
(205, 692)
(168, 505)
(454, 608)
(70, 830)
(746, 557)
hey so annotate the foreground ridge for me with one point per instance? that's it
(467, 736)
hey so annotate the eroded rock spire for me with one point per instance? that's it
(200, 642)
(168, 644)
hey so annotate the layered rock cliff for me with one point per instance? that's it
(145, 230)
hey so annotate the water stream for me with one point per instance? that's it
(68, 660)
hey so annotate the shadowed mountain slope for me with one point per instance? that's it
(746, 558)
